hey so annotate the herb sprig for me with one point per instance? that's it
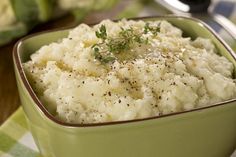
(153, 30)
(106, 50)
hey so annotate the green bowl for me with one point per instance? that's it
(202, 132)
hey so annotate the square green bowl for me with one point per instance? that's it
(202, 132)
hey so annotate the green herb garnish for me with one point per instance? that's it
(106, 50)
(153, 30)
(102, 32)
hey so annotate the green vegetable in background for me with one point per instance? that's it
(26, 11)
(11, 32)
(45, 8)
(29, 13)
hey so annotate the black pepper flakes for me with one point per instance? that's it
(109, 93)
(119, 101)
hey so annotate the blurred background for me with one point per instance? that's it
(19, 18)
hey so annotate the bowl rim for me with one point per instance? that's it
(41, 107)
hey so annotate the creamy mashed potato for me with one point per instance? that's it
(169, 73)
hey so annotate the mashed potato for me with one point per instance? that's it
(168, 74)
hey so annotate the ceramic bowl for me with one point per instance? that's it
(202, 132)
